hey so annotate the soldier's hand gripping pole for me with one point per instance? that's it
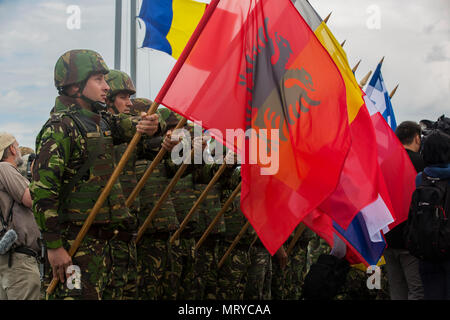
(218, 216)
(198, 202)
(161, 200)
(301, 228)
(150, 169)
(235, 242)
(101, 199)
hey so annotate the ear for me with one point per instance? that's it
(12, 150)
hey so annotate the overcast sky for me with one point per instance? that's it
(414, 36)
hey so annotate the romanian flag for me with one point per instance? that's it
(255, 75)
(170, 23)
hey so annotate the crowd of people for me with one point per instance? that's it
(47, 195)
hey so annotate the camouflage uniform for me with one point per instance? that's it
(287, 284)
(62, 200)
(233, 271)
(259, 276)
(158, 262)
(119, 81)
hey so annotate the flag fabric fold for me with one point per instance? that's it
(359, 208)
(258, 72)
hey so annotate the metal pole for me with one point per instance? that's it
(133, 41)
(118, 35)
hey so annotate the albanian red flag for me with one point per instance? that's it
(256, 76)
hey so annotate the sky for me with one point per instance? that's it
(413, 36)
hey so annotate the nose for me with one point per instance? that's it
(105, 86)
(129, 103)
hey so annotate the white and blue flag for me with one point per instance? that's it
(377, 92)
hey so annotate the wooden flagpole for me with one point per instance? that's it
(365, 79)
(134, 141)
(198, 202)
(218, 216)
(102, 198)
(235, 242)
(394, 91)
(150, 169)
(356, 66)
(161, 200)
(301, 228)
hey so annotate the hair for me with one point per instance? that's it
(407, 131)
(436, 148)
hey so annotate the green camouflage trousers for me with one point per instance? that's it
(287, 284)
(186, 253)
(316, 247)
(159, 268)
(107, 271)
(207, 257)
(259, 276)
(232, 273)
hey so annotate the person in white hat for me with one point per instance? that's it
(19, 270)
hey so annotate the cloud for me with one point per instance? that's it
(11, 98)
(438, 53)
(25, 134)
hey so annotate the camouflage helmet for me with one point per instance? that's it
(119, 81)
(140, 105)
(76, 66)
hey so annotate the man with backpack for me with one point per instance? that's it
(19, 233)
(427, 233)
(402, 267)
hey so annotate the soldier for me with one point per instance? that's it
(74, 162)
(159, 265)
(118, 101)
(259, 277)
(287, 282)
(232, 274)
(183, 197)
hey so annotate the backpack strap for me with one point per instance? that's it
(67, 188)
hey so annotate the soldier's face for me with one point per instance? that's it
(123, 102)
(96, 88)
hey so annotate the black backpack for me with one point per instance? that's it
(325, 278)
(427, 231)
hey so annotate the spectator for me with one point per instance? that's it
(19, 271)
(436, 154)
(402, 267)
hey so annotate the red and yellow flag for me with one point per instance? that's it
(256, 71)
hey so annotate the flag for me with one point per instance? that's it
(377, 92)
(170, 23)
(360, 206)
(256, 70)
(397, 169)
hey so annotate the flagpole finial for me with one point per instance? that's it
(393, 91)
(356, 66)
(365, 79)
(328, 17)
(381, 62)
(343, 43)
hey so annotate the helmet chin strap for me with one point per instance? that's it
(97, 106)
